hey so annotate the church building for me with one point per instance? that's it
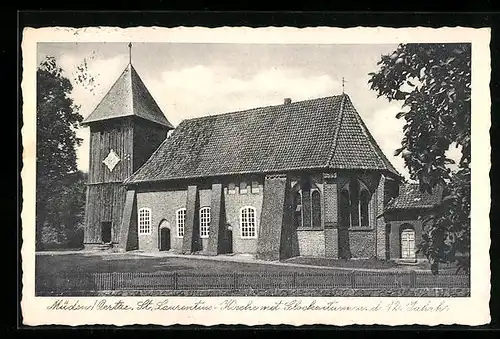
(299, 178)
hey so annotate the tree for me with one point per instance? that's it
(65, 212)
(434, 83)
(57, 118)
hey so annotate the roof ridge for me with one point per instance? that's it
(105, 95)
(335, 138)
(248, 110)
(116, 103)
(373, 143)
(147, 92)
(131, 86)
(364, 130)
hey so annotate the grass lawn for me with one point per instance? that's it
(73, 263)
(129, 262)
(55, 274)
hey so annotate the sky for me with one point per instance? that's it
(193, 79)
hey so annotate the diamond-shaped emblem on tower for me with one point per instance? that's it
(111, 160)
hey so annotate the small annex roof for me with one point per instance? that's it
(410, 197)
(128, 97)
(324, 133)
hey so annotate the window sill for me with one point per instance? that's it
(248, 238)
(361, 229)
(309, 229)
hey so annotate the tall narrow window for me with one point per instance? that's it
(355, 205)
(180, 220)
(364, 200)
(248, 222)
(204, 222)
(354, 201)
(316, 209)
(144, 222)
(306, 208)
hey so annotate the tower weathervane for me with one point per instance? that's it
(343, 84)
(130, 53)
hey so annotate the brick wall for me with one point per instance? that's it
(380, 222)
(395, 237)
(163, 205)
(330, 215)
(311, 243)
(273, 209)
(204, 196)
(362, 243)
(233, 203)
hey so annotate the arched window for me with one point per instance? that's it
(355, 205)
(248, 222)
(144, 222)
(180, 221)
(407, 242)
(307, 207)
(204, 222)
(316, 209)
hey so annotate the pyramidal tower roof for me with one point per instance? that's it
(128, 97)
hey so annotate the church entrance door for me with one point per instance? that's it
(164, 239)
(106, 232)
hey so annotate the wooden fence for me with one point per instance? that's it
(127, 281)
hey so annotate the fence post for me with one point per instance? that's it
(413, 279)
(294, 280)
(352, 278)
(175, 280)
(235, 280)
(114, 281)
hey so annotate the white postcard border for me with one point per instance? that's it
(466, 311)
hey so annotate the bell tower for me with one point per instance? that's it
(126, 127)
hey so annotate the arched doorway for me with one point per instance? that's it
(164, 236)
(407, 242)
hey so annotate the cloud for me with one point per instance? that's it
(105, 72)
(202, 90)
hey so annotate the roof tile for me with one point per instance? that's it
(410, 196)
(291, 136)
(128, 97)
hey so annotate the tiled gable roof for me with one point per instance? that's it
(354, 140)
(322, 133)
(128, 97)
(411, 197)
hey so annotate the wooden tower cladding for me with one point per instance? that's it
(125, 129)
